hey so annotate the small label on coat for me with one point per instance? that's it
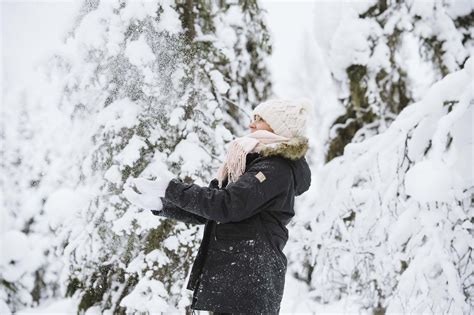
(260, 176)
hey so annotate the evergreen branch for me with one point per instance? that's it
(238, 106)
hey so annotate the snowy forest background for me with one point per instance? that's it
(387, 225)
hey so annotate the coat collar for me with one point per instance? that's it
(294, 149)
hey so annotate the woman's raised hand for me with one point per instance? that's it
(146, 194)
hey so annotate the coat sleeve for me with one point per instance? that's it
(262, 182)
(171, 211)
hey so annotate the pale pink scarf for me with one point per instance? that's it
(234, 165)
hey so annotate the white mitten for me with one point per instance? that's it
(149, 191)
(142, 201)
(159, 185)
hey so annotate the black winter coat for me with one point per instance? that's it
(240, 266)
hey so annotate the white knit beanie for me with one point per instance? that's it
(287, 118)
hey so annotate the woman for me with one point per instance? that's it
(240, 266)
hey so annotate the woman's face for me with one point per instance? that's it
(259, 124)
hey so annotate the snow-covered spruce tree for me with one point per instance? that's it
(384, 54)
(136, 85)
(393, 229)
(146, 270)
(369, 60)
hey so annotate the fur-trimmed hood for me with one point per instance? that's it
(294, 149)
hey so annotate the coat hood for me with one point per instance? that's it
(302, 175)
(294, 150)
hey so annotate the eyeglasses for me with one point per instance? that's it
(257, 118)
